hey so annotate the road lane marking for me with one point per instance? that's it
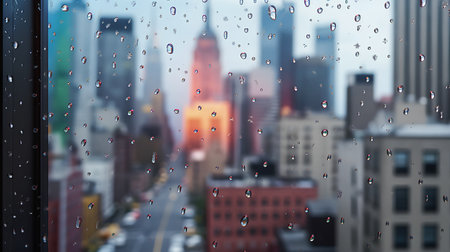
(165, 220)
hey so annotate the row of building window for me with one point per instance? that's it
(264, 216)
(402, 236)
(240, 231)
(430, 160)
(402, 198)
(253, 202)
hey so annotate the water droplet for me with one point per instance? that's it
(400, 88)
(15, 45)
(421, 57)
(91, 205)
(423, 3)
(324, 132)
(83, 142)
(204, 18)
(243, 55)
(64, 8)
(98, 83)
(328, 220)
(215, 191)
(149, 216)
(248, 193)
(406, 111)
(324, 104)
(173, 10)
(291, 9)
(66, 129)
(156, 91)
(179, 187)
(169, 48)
(420, 181)
(387, 5)
(213, 114)
(213, 129)
(132, 141)
(244, 221)
(214, 244)
(130, 112)
(260, 131)
(89, 16)
(154, 157)
(225, 34)
(78, 222)
(183, 211)
(342, 220)
(185, 229)
(110, 140)
(253, 99)
(265, 164)
(272, 12)
(432, 95)
(290, 226)
(389, 152)
(311, 238)
(307, 3)
(325, 175)
(198, 91)
(83, 60)
(357, 18)
(370, 181)
(319, 10)
(333, 26)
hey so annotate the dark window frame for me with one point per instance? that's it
(28, 65)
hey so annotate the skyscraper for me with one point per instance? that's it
(116, 68)
(276, 48)
(206, 82)
(421, 54)
(312, 86)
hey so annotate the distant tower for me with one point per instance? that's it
(206, 83)
(276, 47)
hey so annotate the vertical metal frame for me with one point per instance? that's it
(24, 126)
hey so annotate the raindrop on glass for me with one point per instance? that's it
(173, 10)
(272, 12)
(248, 193)
(333, 26)
(78, 222)
(244, 221)
(65, 8)
(169, 48)
(215, 191)
(89, 16)
(291, 9)
(357, 18)
(324, 132)
(387, 5)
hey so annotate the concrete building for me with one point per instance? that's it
(350, 177)
(421, 54)
(306, 149)
(312, 86)
(361, 107)
(406, 189)
(265, 205)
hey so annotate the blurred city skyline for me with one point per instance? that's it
(182, 29)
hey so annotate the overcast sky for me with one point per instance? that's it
(182, 28)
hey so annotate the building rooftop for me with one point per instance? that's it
(239, 181)
(413, 131)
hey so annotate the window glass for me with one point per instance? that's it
(401, 162)
(401, 199)
(430, 162)
(430, 195)
(430, 236)
(244, 125)
(401, 236)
